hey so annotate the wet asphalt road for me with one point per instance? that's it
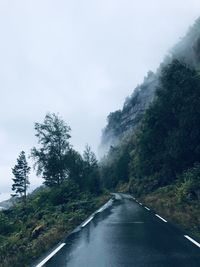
(127, 235)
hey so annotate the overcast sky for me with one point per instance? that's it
(80, 59)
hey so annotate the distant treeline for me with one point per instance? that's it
(56, 160)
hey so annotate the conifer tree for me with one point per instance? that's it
(91, 171)
(21, 181)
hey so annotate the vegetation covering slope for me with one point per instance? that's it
(123, 122)
(71, 192)
(49, 216)
(159, 161)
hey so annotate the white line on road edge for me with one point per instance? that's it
(105, 206)
(50, 255)
(83, 225)
(63, 244)
(146, 208)
(192, 240)
(160, 218)
(100, 210)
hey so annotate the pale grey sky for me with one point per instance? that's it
(80, 59)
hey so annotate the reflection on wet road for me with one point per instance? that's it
(126, 234)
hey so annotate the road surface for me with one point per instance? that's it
(125, 234)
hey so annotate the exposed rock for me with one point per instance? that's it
(123, 121)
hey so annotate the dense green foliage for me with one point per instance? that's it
(58, 162)
(188, 185)
(91, 171)
(169, 140)
(50, 214)
(162, 136)
(50, 158)
(160, 163)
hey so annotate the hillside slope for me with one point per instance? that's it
(155, 152)
(122, 122)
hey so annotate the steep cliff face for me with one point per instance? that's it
(123, 122)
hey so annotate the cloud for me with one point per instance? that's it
(78, 58)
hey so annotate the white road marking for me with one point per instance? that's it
(105, 206)
(50, 255)
(146, 208)
(192, 240)
(140, 203)
(160, 218)
(100, 210)
(83, 225)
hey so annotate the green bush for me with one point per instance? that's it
(183, 190)
(5, 226)
(188, 186)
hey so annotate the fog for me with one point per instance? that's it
(80, 59)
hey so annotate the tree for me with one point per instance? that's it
(50, 158)
(91, 171)
(21, 171)
(169, 141)
(114, 168)
(89, 157)
(75, 165)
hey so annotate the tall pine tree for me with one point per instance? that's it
(91, 171)
(21, 181)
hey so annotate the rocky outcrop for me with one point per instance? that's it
(121, 122)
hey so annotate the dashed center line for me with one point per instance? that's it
(146, 208)
(161, 218)
(192, 240)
